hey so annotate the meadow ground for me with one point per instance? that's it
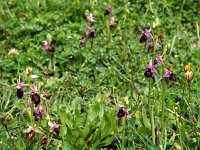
(99, 74)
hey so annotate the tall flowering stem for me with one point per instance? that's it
(163, 105)
(51, 61)
(151, 111)
(149, 71)
(90, 34)
(123, 133)
(193, 117)
(91, 43)
(50, 50)
(107, 14)
(163, 93)
(122, 116)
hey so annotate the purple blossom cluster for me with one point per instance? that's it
(38, 112)
(90, 31)
(150, 68)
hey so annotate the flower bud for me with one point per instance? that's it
(44, 140)
(189, 75)
(14, 52)
(187, 68)
(161, 37)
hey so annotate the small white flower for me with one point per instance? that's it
(34, 76)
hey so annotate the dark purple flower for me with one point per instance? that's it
(20, 93)
(90, 32)
(20, 87)
(82, 42)
(146, 35)
(54, 127)
(169, 74)
(143, 38)
(108, 10)
(44, 140)
(39, 112)
(158, 59)
(30, 132)
(149, 70)
(34, 94)
(48, 48)
(123, 111)
(30, 135)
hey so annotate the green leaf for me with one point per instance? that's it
(86, 130)
(49, 38)
(143, 130)
(80, 144)
(93, 112)
(145, 119)
(69, 120)
(108, 140)
(63, 117)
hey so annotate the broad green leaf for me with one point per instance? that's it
(145, 119)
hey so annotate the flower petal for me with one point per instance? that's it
(159, 59)
(150, 63)
(159, 46)
(166, 75)
(168, 71)
(153, 70)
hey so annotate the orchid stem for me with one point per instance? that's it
(163, 106)
(51, 61)
(108, 27)
(123, 133)
(193, 117)
(151, 111)
(91, 43)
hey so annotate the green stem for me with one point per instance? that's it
(182, 101)
(193, 117)
(151, 111)
(180, 118)
(123, 134)
(91, 43)
(51, 62)
(163, 106)
(108, 27)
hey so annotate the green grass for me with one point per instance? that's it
(87, 84)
